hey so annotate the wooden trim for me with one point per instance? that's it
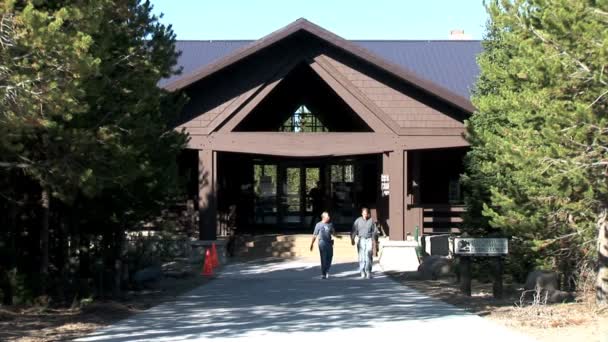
(442, 208)
(358, 94)
(333, 39)
(295, 144)
(364, 113)
(420, 142)
(406, 75)
(413, 218)
(235, 56)
(449, 219)
(242, 113)
(382, 203)
(231, 108)
(245, 110)
(318, 144)
(441, 218)
(207, 194)
(432, 131)
(414, 195)
(396, 198)
(404, 132)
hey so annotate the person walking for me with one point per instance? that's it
(365, 229)
(323, 232)
(316, 200)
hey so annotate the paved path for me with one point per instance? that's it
(286, 301)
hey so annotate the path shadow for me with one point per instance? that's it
(253, 299)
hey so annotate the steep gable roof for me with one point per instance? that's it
(446, 69)
(449, 63)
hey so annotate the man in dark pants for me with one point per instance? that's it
(324, 231)
(365, 229)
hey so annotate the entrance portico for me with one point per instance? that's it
(303, 106)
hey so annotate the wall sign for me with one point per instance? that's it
(384, 185)
(481, 246)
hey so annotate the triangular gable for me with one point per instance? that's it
(374, 119)
(331, 38)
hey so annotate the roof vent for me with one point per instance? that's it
(459, 34)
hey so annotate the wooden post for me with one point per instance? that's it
(415, 192)
(414, 213)
(498, 271)
(398, 191)
(382, 204)
(465, 275)
(207, 196)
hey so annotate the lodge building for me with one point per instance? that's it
(370, 123)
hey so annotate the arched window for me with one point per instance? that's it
(303, 120)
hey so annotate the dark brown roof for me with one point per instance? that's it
(454, 92)
(450, 63)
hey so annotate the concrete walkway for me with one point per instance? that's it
(287, 301)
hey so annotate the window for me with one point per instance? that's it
(342, 191)
(313, 176)
(454, 192)
(342, 173)
(265, 188)
(303, 120)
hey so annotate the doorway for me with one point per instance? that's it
(273, 194)
(296, 202)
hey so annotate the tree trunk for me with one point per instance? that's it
(63, 261)
(602, 256)
(45, 201)
(118, 263)
(10, 249)
(84, 264)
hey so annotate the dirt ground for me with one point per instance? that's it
(35, 324)
(578, 321)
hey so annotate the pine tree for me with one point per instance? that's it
(538, 158)
(44, 56)
(82, 117)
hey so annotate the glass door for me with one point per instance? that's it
(291, 197)
(301, 194)
(313, 196)
(288, 194)
(265, 190)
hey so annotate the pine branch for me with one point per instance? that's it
(8, 165)
(598, 98)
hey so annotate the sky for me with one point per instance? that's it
(350, 19)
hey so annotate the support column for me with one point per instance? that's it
(415, 167)
(398, 193)
(413, 214)
(207, 194)
(398, 254)
(382, 201)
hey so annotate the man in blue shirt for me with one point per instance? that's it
(324, 231)
(365, 229)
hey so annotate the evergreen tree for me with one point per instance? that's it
(537, 168)
(132, 117)
(82, 118)
(44, 57)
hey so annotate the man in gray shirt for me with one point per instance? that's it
(365, 229)
(323, 231)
